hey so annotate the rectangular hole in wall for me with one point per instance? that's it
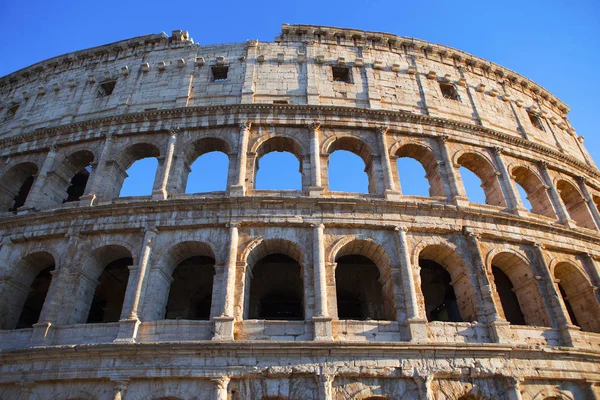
(12, 110)
(106, 88)
(341, 74)
(449, 91)
(535, 121)
(219, 73)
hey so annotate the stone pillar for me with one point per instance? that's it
(593, 271)
(559, 207)
(316, 185)
(457, 192)
(312, 86)
(559, 316)
(593, 389)
(326, 386)
(239, 188)
(92, 189)
(514, 391)
(35, 197)
(589, 200)
(130, 321)
(26, 392)
(417, 325)
(424, 386)
(224, 323)
(161, 193)
(221, 387)
(499, 328)
(119, 389)
(322, 320)
(250, 73)
(391, 191)
(510, 193)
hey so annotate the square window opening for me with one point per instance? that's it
(535, 121)
(449, 91)
(12, 110)
(106, 88)
(341, 74)
(280, 102)
(219, 73)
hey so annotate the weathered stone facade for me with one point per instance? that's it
(456, 300)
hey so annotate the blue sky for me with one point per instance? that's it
(556, 43)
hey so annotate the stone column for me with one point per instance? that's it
(130, 321)
(250, 73)
(593, 271)
(221, 387)
(316, 186)
(589, 200)
(559, 207)
(559, 317)
(326, 386)
(417, 325)
(513, 392)
(35, 197)
(457, 192)
(161, 193)
(119, 389)
(224, 323)
(239, 188)
(424, 386)
(312, 86)
(510, 193)
(391, 191)
(499, 328)
(92, 189)
(322, 320)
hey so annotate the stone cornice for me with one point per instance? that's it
(273, 111)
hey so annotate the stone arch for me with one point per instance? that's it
(102, 282)
(196, 149)
(116, 171)
(16, 184)
(578, 296)
(274, 279)
(73, 395)
(68, 180)
(523, 284)
(575, 204)
(426, 157)
(536, 189)
(279, 143)
(182, 283)
(22, 298)
(360, 148)
(459, 284)
(485, 170)
(553, 393)
(364, 284)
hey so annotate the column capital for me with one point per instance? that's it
(236, 224)
(382, 129)
(399, 228)
(221, 381)
(151, 230)
(175, 131)
(320, 226)
(245, 125)
(581, 179)
(314, 126)
(443, 138)
(498, 150)
(53, 148)
(469, 232)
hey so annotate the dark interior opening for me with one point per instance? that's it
(219, 73)
(276, 289)
(535, 121)
(108, 299)
(568, 306)
(341, 74)
(440, 299)
(12, 110)
(508, 298)
(106, 88)
(77, 186)
(35, 299)
(448, 91)
(191, 290)
(20, 198)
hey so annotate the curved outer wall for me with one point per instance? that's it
(391, 100)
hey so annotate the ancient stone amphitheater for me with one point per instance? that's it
(306, 294)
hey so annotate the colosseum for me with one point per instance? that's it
(248, 293)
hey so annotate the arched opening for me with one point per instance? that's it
(485, 173)
(364, 289)
(135, 172)
(190, 295)
(414, 162)
(68, 182)
(15, 186)
(578, 296)
(445, 286)
(508, 298)
(535, 192)
(473, 186)
(278, 165)
(346, 172)
(209, 164)
(513, 278)
(112, 269)
(597, 202)
(575, 204)
(276, 289)
(23, 301)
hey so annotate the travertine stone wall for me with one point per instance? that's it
(282, 96)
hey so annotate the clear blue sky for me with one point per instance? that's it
(556, 43)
